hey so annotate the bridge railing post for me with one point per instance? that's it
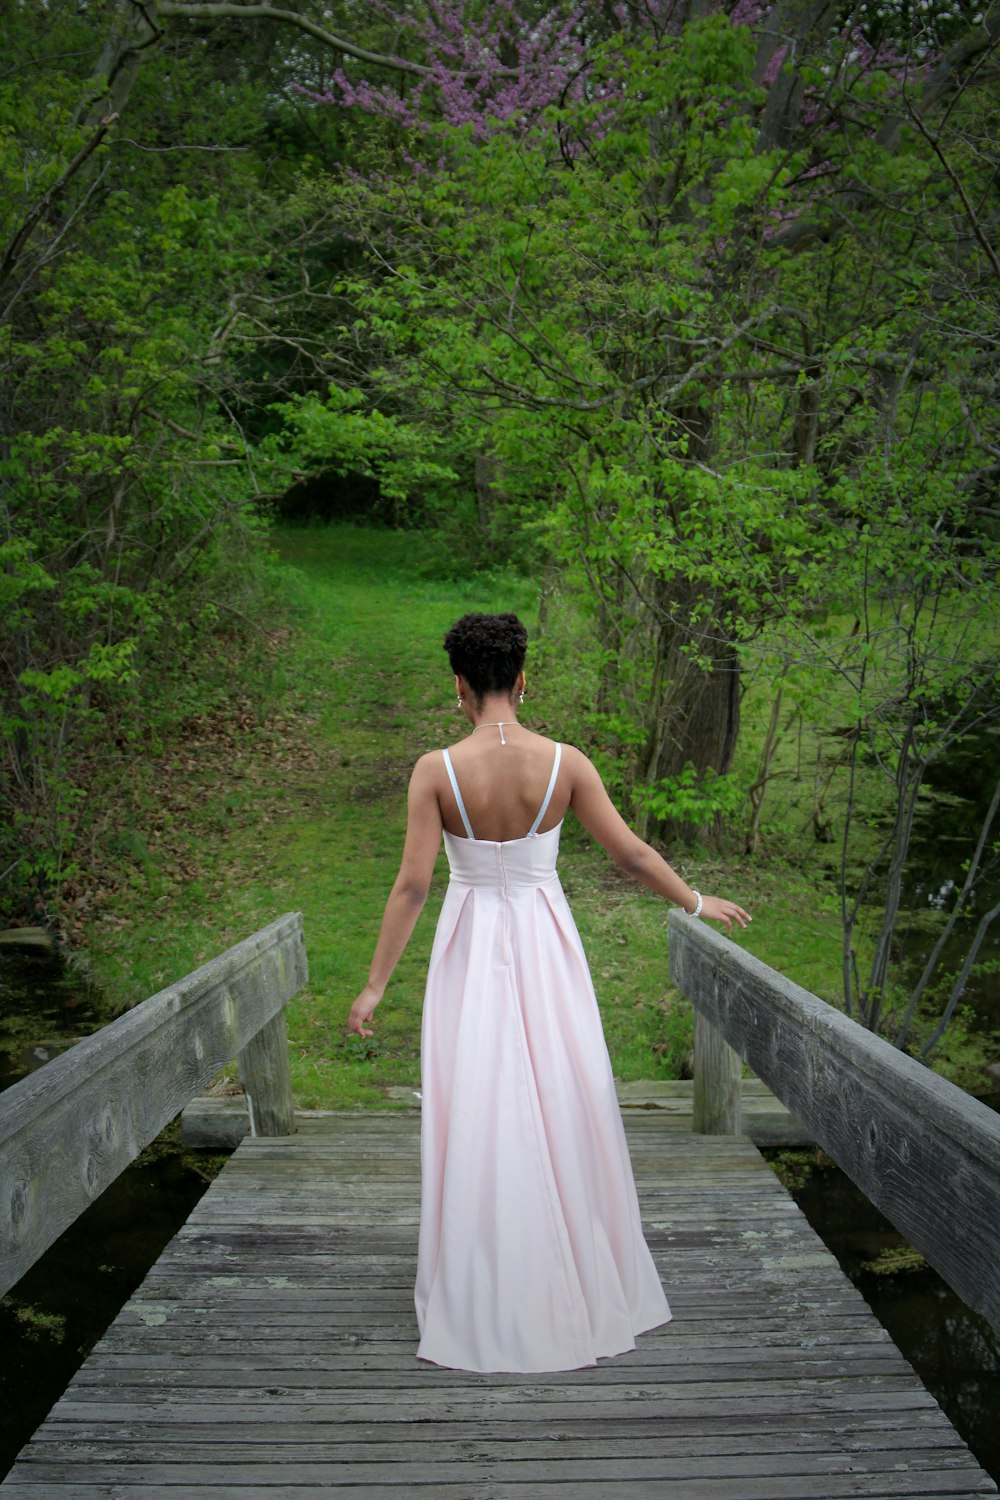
(267, 1079)
(68, 1129)
(925, 1153)
(718, 1082)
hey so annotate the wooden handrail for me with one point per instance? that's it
(926, 1153)
(69, 1129)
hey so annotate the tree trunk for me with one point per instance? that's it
(693, 707)
(697, 714)
(696, 698)
(486, 474)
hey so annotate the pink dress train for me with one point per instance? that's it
(531, 1251)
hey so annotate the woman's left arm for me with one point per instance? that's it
(409, 892)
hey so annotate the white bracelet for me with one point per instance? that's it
(697, 910)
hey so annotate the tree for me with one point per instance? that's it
(124, 482)
(659, 285)
(681, 309)
(154, 308)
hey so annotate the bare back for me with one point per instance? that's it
(502, 785)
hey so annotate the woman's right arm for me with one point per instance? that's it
(408, 894)
(598, 814)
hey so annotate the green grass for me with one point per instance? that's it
(303, 808)
(315, 821)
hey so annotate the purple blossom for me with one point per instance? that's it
(750, 12)
(467, 75)
(502, 68)
(774, 65)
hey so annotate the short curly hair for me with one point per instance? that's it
(488, 651)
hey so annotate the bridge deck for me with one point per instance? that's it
(269, 1355)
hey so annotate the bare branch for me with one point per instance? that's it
(970, 52)
(957, 67)
(127, 140)
(35, 214)
(958, 987)
(211, 9)
(949, 926)
(935, 144)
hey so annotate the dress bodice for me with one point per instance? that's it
(528, 861)
(514, 862)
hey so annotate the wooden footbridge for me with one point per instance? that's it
(269, 1354)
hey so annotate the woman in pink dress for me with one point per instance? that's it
(531, 1253)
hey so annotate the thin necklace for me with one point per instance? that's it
(498, 724)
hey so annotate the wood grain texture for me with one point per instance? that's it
(266, 1075)
(270, 1353)
(926, 1153)
(67, 1130)
(221, 1123)
(718, 1070)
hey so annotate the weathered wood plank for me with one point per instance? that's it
(919, 1486)
(69, 1129)
(266, 1075)
(470, 1468)
(725, 1434)
(269, 1359)
(355, 1367)
(717, 1102)
(271, 1412)
(352, 1443)
(256, 1339)
(924, 1152)
(221, 1123)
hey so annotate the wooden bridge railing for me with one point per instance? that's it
(69, 1129)
(923, 1151)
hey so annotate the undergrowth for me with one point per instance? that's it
(296, 801)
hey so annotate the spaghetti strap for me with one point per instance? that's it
(548, 795)
(458, 795)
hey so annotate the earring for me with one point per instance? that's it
(459, 701)
(520, 696)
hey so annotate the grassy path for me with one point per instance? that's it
(303, 808)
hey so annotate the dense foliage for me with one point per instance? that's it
(703, 348)
(136, 209)
(692, 307)
(721, 328)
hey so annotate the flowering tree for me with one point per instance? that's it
(668, 269)
(681, 300)
(726, 322)
(700, 296)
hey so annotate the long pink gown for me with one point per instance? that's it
(531, 1251)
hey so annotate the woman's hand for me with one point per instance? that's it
(718, 910)
(363, 1009)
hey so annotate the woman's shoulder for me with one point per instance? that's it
(427, 767)
(432, 762)
(578, 768)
